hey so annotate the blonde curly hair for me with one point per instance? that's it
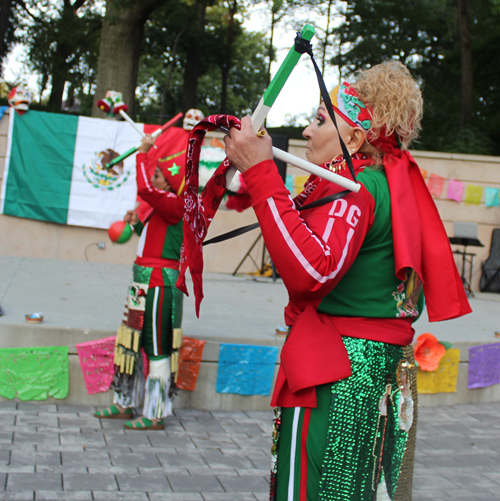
(395, 100)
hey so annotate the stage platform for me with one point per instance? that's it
(83, 301)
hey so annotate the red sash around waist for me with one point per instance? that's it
(314, 352)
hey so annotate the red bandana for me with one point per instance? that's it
(420, 240)
(199, 209)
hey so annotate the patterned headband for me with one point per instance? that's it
(349, 106)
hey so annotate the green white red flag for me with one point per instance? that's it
(54, 167)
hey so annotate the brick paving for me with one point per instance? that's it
(61, 452)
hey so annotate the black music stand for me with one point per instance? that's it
(280, 142)
(467, 257)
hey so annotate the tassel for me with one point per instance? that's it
(118, 335)
(138, 386)
(137, 339)
(157, 405)
(177, 339)
(174, 363)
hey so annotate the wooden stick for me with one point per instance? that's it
(132, 123)
(311, 168)
(348, 184)
(155, 134)
(163, 128)
(275, 87)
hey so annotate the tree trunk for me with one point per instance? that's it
(271, 48)
(227, 64)
(5, 11)
(169, 74)
(120, 50)
(191, 70)
(62, 56)
(467, 83)
(56, 92)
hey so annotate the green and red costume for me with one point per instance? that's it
(348, 347)
(158, 314)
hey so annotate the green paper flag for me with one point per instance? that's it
(34, 373)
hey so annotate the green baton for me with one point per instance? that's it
(279, 80)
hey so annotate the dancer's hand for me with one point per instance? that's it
(244, 148)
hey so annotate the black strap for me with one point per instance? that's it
(231, 234)
(325, 200)
(245, 229)
(304, 46)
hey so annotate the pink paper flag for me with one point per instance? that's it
(436, 184)
(455, 190)
(96, 361)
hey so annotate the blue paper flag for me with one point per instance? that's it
(3, 109)
(491, 197)
(245, 369)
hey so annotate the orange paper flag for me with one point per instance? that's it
(436, 184)
(190, 356)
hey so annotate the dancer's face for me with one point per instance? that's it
(322, 138)
(159, 181)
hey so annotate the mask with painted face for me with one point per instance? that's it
(191, 118)
(20, 98)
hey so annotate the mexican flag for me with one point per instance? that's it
(54, 167)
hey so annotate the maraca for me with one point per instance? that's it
(120, 232)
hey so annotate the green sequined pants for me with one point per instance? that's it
(344, 448)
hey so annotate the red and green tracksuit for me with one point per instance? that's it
(350, 319)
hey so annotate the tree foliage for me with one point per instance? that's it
(7, 26)
(231, 61)
(62, 40)
(168, 55)
(424, 35)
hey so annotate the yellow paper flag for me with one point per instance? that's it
(299, 183)
(444, 378)
(473, 194)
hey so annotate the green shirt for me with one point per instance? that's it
(370, 287)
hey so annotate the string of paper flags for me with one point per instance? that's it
(36, 373)
(456, 189)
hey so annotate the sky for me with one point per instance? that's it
(300, 96)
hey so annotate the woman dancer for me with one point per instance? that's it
(354, 269)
